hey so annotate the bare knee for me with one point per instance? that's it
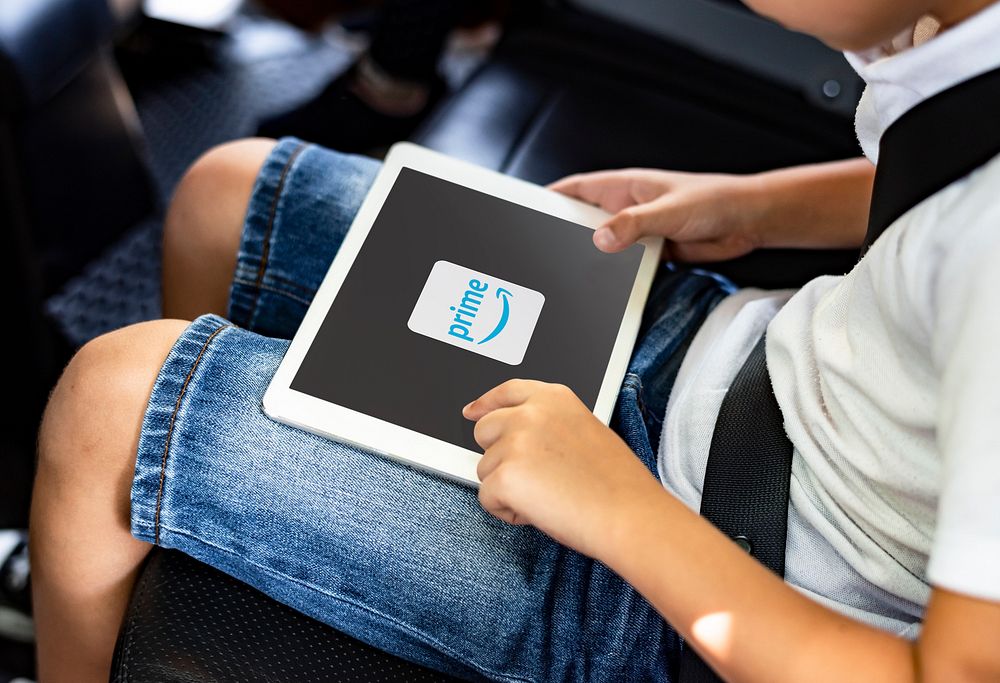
(202, 230)
(84, 559)
(211, 199)
(90, 431)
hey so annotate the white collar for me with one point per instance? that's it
(897, 82)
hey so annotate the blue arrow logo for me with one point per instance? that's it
(502, 323)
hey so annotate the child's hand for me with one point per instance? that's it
(704, 217)
(550, 463)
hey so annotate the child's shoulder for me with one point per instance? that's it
(975, 199)
(948, 248)
(961, 223)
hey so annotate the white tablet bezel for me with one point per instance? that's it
(319, 416)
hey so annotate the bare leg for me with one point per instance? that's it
(84, 560)
(202, 231)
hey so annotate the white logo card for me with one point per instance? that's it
(477, 312)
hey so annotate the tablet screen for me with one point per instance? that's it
(455, 291)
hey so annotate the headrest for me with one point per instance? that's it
(45, 43)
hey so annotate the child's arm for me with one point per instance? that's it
(550, 463)
(710, 217)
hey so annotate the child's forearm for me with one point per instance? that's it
(746, 622)
(814, 206)
(549, 462)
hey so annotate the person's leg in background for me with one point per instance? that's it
(383, 97)
(201, 233)
(84, 559)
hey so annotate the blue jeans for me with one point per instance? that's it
(394, 556)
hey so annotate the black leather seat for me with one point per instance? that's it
(544, 108)
(569, 93)
(71, 154)
(72, 179)
(191, 623)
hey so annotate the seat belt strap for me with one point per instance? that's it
(745, 494)
(746, 479)
(935, 143)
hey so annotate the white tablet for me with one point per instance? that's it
(453, 279)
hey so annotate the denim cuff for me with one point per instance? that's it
(263, 212)
(164, 417)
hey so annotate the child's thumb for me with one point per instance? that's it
(628, 225)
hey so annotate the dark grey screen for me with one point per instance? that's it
(367, 359)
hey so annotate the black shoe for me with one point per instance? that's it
(7, 678)
(15, 591)
(339, 119)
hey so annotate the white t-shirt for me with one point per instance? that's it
(888, 379)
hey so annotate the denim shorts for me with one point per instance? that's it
(397, 557)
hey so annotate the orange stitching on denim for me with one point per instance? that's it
(266, 249)
(170, 431)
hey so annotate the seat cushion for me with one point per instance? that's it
(190, 623)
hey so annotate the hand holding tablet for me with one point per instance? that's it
(452, 280)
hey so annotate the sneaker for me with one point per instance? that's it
(338, 118)
(15, 587)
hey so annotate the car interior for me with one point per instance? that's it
(105, 103)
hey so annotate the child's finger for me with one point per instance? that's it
(583, 185)
(606, 189)
(511, 393)
(489, 462)
(570, 185)
(491, 502)
(632, 223)
(491, 427)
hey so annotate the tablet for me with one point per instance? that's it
(451, 280)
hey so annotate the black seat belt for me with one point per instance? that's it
(745, 494)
